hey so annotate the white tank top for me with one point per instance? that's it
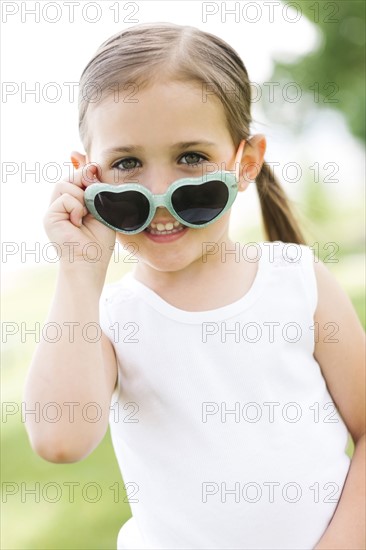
(222, 424)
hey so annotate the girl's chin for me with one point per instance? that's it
(167, 261)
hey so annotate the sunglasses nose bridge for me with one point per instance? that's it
(159, 200)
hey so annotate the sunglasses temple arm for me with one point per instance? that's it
(238, 158)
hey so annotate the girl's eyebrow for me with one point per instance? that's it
(137, 148)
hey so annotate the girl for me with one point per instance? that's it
(221, 368)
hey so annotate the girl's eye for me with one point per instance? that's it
(129, 164)
(193, 159)
(126, 164)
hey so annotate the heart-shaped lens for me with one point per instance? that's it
(200, 204)
(127, 211)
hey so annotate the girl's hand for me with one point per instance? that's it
(69, 224)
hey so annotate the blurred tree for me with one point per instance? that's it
(333, 75)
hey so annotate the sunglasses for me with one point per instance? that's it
(194, 202)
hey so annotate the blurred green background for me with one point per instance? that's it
(94, 525)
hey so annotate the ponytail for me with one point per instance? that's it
(278, 219)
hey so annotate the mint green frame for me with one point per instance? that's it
(164, 200)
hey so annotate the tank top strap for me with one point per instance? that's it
(285, 256)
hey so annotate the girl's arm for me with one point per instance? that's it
(343, 367)
(71, 379)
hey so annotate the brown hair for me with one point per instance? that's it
(144, 52)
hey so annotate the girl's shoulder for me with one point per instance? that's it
(291, 264)
(117, 290)
(283, 253)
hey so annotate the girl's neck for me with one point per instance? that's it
(202, 285)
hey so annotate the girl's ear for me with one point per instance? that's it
(252, 160)
(78, 160)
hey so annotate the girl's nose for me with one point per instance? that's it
(158, 181)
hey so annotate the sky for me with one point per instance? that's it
(45, 47)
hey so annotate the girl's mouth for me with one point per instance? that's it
(165, 233)
(165, 229)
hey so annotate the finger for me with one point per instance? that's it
(90, 175)
(67, 207)
(85, 175)
(66, 187)
(84, 171)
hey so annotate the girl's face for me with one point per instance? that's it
(166, 132)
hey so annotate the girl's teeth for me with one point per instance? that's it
(165, 226)
(164, 229)
(161, 227)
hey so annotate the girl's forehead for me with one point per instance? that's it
(170, 112)
(170, 97)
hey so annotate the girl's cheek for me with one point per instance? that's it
(108, 175)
